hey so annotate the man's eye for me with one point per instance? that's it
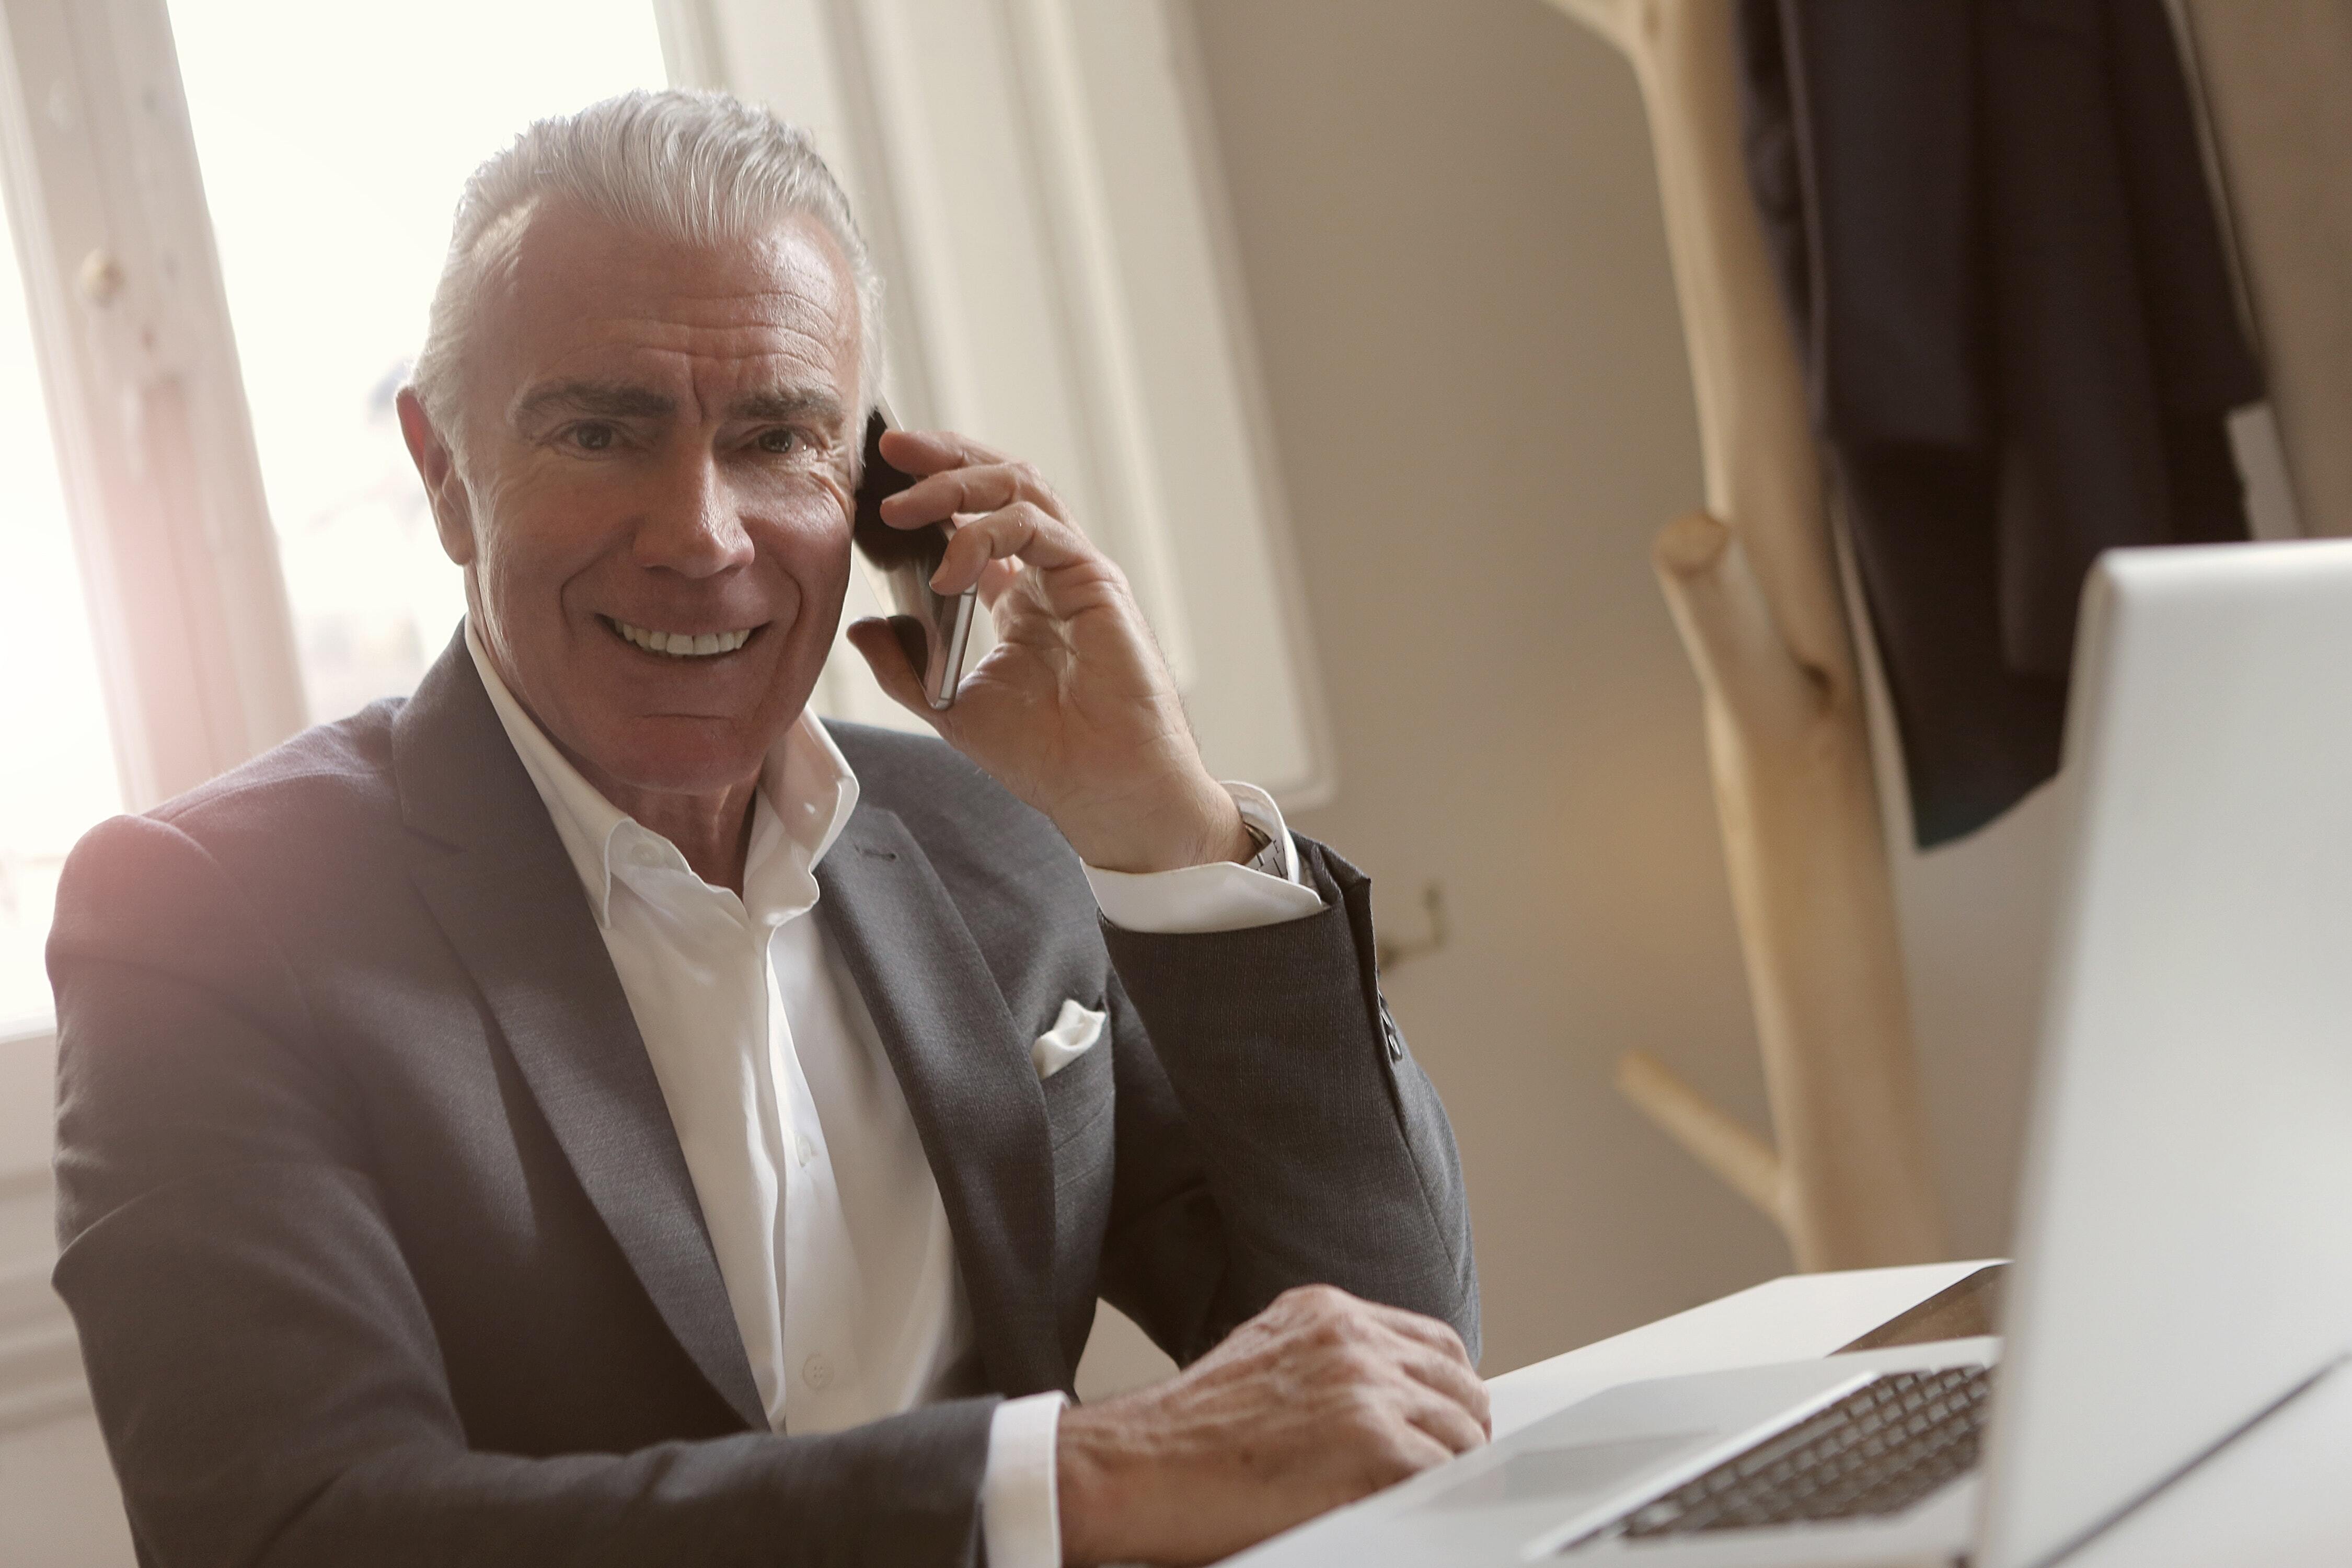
(592, 437)
(777, 441)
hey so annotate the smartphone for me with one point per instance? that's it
(934, 628)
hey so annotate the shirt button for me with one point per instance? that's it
(804, 1149)
(817, 1373)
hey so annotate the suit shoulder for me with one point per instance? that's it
(895, 753)
(912, 774)
(945, 800)
(329, 773)
(193, 884)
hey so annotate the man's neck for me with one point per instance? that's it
(712, 831)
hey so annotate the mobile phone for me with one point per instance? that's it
(934, 628)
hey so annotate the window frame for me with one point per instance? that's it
(155, 452)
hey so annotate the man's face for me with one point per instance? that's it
(657, 439)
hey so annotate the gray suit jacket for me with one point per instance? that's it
(379, 1237)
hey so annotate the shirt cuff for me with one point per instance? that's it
(1020, 1514)
(1225, 896)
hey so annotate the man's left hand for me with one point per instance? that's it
(1073, 709)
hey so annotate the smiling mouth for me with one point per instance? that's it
(680, 645)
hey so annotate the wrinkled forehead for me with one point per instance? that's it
(566, 292)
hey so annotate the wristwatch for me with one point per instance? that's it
(1269, 857)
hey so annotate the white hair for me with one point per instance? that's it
(702, 167)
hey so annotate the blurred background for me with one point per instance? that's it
(1348, 325)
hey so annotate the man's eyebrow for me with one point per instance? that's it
(783, 404)
(621, 400)
(598, 399)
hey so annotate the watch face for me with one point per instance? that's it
(1268, 858)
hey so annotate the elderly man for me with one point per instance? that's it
(595, 1111)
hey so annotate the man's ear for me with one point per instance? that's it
(453, 510)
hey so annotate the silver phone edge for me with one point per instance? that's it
(946, 673)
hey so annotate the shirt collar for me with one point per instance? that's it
(806, 793)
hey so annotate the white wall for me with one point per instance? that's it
(1448, 220)
(1449, 230)
(58, 1507)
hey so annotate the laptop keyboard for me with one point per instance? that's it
(1877, 1451)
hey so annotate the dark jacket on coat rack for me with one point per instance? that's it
(2021, 340)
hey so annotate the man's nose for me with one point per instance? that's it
(693, 526)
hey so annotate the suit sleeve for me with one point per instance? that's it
(261, 1360)
(1273, 1128)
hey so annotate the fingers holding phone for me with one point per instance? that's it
(1073, 709)
(934, 628)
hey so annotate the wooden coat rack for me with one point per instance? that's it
(1754, 588)
(2277, 86)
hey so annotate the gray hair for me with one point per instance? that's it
(701, 167)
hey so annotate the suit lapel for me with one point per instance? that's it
(512, 904)
(964, 1068)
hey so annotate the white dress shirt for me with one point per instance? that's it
(822, 1210)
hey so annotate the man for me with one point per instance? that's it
(594, 1112)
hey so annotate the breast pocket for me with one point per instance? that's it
(1074, 1058)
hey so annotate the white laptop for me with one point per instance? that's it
(2184, 1249)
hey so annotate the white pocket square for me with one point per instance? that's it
(1072, 1033)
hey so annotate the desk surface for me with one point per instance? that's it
(1789, 1319)
(2281, 1495)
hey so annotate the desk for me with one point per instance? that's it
(2280, 1496)
(1789, 1319)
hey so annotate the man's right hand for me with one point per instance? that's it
(1319, 1400)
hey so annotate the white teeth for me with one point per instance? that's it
(684, 645)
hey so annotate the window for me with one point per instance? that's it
(334, 140)
(57, 763)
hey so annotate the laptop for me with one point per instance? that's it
(2184, 1248)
